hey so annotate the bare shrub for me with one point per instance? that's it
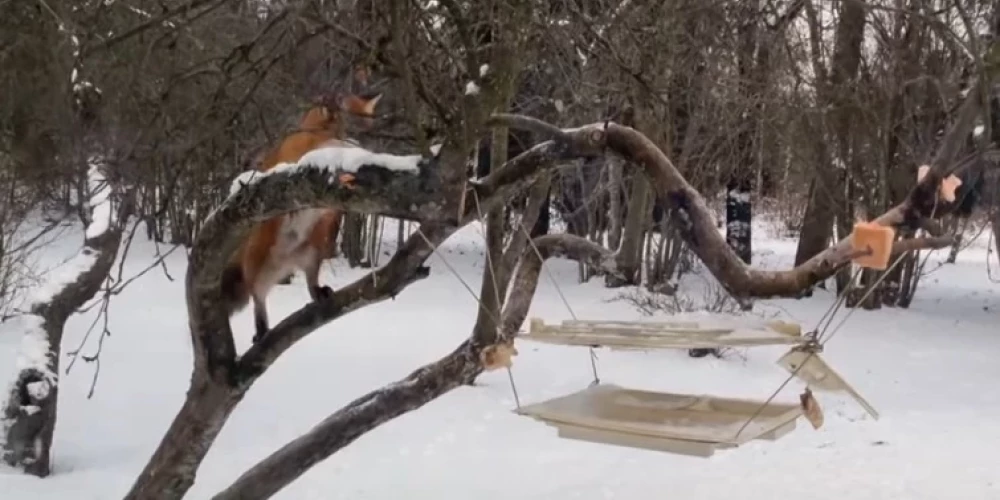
(20, 240)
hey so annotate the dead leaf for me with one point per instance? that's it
(498, 356)
(347, 180)
(811, 409)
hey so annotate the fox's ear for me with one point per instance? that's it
(368, 105)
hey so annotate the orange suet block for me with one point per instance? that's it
(948, 185)
(876, 238)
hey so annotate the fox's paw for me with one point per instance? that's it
(259, 331)
(323, 292)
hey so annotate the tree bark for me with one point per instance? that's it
(352, 231)
(996, 234)
(490, 292)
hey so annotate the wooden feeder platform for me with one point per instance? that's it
(664, 335)
(693, 425)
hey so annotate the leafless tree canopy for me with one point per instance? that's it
(819, 111)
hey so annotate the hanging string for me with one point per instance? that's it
(453, 271)
(496, 321)
(832, 311)
(513, 388)
(871, 289)
(562, 296)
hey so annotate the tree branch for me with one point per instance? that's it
(404, 269)
(696, 226)
(525, 169)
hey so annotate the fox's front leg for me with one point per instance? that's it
(311, 270)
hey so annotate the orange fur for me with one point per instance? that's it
(299, 240)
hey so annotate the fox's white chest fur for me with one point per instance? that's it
(295, 230)
(290, 251)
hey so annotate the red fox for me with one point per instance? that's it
(299, 240)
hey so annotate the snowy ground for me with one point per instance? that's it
(931, 371)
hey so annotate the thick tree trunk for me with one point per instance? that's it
(615, 202)
(351, 243)
(491, 292)
(739, 188)
(630, 251)
(739, 215)
(171, 471)
(817, 222)
(29, 414)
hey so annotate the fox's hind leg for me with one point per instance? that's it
(258, 272)
(260, 322)
(314, 250)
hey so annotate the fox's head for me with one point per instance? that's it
(360, 106)
(336, 110)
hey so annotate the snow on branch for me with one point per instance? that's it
(334, 161)
(350, 178)
(102, 215)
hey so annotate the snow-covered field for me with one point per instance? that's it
(931, 371)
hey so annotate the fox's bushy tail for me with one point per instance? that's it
(235, 289)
